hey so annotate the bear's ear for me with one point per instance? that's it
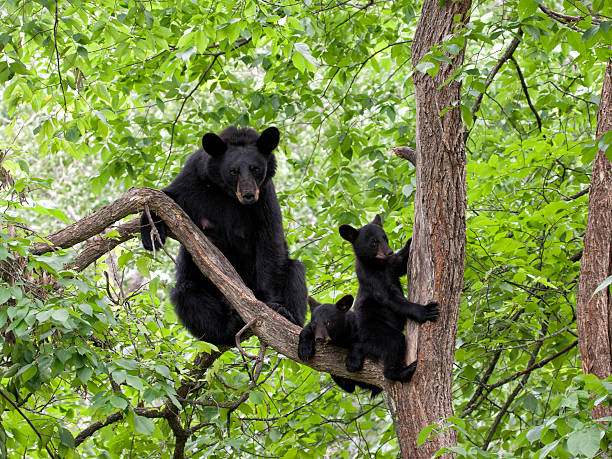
(345, 303)
(313, 303)
(348, 232)
(213, 144)
(268, 140)
(377, 220)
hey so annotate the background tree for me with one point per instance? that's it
(99, 98)
(594, 310)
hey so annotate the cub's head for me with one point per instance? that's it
(369, 242)
(241, 160)
(329, 320)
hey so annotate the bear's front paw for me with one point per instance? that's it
(353, 362)
(432, 312)
(149, 238)
(306, 349)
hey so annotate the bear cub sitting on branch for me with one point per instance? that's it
(381, 309)
(333, 324)
(226, 189)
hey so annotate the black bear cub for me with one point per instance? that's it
(333, 324)
(226, 189)
(381, 309)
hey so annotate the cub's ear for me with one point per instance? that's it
(313, 303)
(268, 140)
(213, 144)
(377, 220)
(348, 232)
(345, 303)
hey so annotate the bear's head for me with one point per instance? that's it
(329, 320)
(369, 242)
(241, 160)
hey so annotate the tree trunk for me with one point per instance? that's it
(594, 315)
(437, 258)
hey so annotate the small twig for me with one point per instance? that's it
(155, 234)
(239, 43)
(238, 339)
(59, 70)
(8, 399)
(565, 18)
(540, 364)
(577, 195)
(407, 153)
(504, 57)
(524, 86)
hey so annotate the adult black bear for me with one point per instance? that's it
(333, 324)
(381, 309)
(226, 189)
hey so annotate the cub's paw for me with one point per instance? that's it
(306, 349)
(432, 312)
(407, 372)
(353, 362)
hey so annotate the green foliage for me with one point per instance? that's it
(97, 98)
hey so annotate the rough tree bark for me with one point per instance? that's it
(438, 246)
(594, 313)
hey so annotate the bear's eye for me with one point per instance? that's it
(373, 243)
(235, 171)
(254, 169)
(327, 323)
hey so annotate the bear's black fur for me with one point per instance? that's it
(226, 189)
(381, 309)
(333, 324)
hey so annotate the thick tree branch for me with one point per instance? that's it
(101, 244)
(271, 328)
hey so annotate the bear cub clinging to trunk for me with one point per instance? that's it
(381, 309)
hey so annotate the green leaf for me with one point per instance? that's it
(602, 286)
(590, 32)
(424, 434)
(143, 425)
(66, 437)
(584, 442)
(60, 315)
(73, 134)
(118, 402)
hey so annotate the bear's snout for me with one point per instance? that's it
(247, 192)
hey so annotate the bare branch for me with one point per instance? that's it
(577, 195)
(504, 57)
(565, 18)
(155, 234)
(111, 419)
(101, 244)
(406, 153)
(59, 70)
(524, 86)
